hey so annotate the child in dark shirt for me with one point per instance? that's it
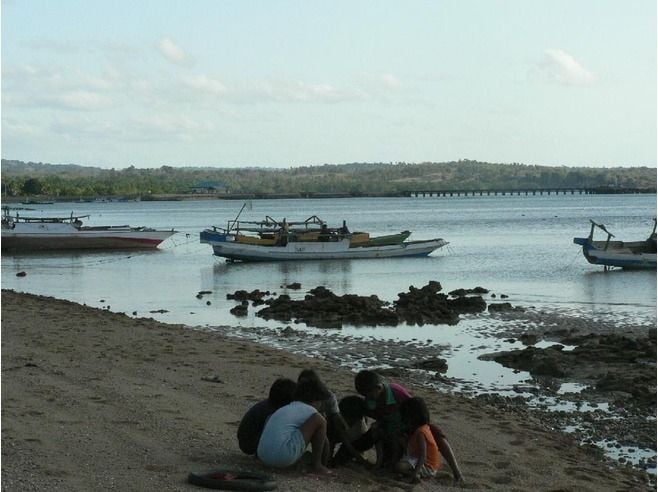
(382, 401)
(252, 424)
(353, 423)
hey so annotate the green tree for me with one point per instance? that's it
(32, 186)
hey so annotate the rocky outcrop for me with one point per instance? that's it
(622, 366)
(322, 308)
(255, 296)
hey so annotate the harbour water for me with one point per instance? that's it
(520, 246)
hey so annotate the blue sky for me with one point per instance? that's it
(289, 83)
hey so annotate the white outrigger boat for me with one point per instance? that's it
(270, 240)
(624, 254)
(68, 233)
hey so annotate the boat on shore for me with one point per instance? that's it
(623, 254)
(271, 240)
(22, 234)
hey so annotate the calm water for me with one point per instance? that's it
(519, 246)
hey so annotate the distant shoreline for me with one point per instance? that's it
(419, 193)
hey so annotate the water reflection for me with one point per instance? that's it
(618, 287)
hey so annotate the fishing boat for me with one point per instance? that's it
(630, 255)
(311, 239)
(68, 233)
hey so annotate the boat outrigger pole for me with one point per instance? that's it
(235, 221)
(602, 227)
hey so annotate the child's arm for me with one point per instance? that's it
(341, 428)
(421, 445)
(446, 451)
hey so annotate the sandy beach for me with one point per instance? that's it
(95, 400)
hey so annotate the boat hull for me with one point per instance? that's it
(634, 255)
(225, 247)
(58, 237)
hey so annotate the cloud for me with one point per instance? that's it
(157, 127)
(205, 84)
(267, 90)
(390, 81)
(297, 91)
(174, 53)
(564, 68)
(18, 129)
(81, 100)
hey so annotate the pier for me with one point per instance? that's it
(526, 192)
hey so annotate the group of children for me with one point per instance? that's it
(295, 414)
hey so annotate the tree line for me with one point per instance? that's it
(53, 180)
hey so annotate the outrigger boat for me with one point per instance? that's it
(630, 255)
(67, 233)
(271, 240)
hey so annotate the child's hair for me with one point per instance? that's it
(281, 392)
(365, 381)
(352, 409)
(308, 375)
(310, 390)
(414, 413)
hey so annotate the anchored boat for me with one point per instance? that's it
(624, 254)
(312, 239)
(67, 233)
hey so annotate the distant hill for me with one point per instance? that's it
(20, 168)
(70, 180)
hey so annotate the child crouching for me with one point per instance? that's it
(422, 458)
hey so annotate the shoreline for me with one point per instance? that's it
(416, 192)
(93, 398)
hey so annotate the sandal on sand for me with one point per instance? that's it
(326, 473)
(232, 480)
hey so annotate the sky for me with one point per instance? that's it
(287, 83)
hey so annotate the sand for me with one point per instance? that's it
(95, 400)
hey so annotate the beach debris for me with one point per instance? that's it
(212, 379)
(21, 274)
(202, 293)
(161, 311)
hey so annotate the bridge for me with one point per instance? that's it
(532, 191)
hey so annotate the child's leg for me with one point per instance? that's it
(391, 450)
(314, 431)
(379, 449)
(403, 466)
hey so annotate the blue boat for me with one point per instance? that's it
(623, 254)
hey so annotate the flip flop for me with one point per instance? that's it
(232, 480)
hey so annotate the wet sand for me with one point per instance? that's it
(94, 400)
